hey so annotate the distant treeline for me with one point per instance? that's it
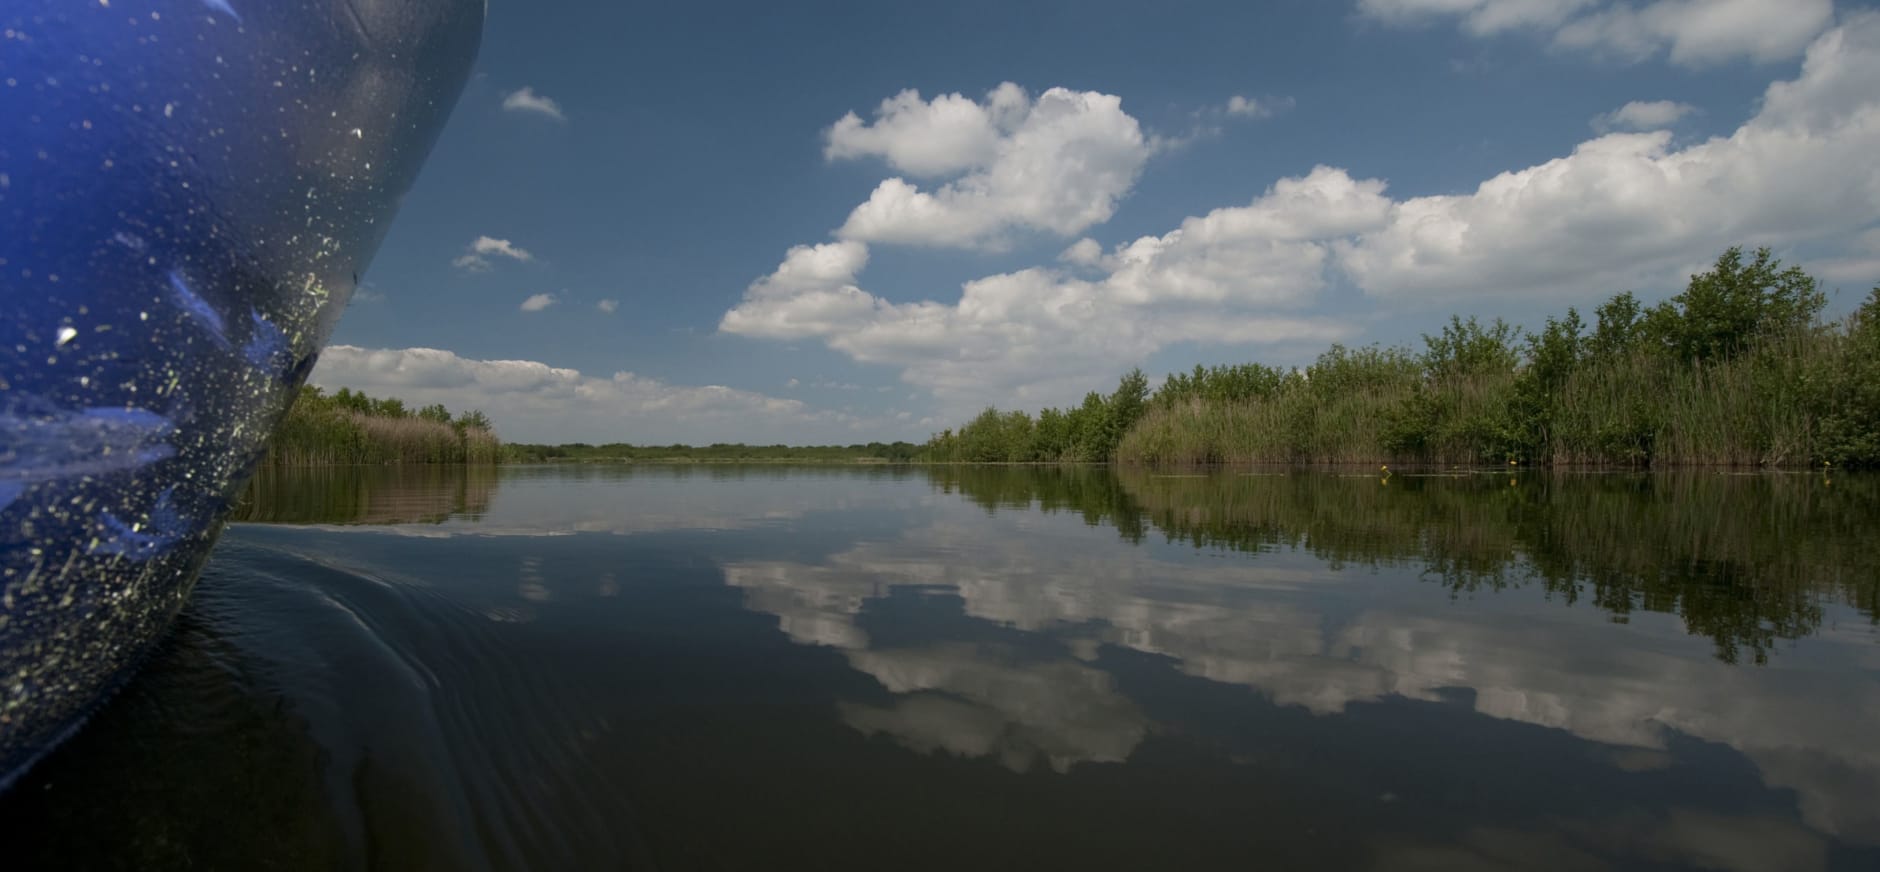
(873, 452)
(348, 427)
(1736, 370)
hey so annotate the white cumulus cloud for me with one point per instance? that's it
(1057, 164)
(947, 135)
(1643, 115)
(1044, 336)
(525, 100)
(608, 307)
(538, 302)
(812, 293)
(1624, 210)
(1628, 207)
(1689, 32)
(476, 256)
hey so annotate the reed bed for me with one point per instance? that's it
(1737, 371)
(333, 431)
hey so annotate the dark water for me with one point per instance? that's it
(999, 668)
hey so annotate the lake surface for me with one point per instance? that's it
(999, 668)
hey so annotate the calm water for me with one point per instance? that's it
(999, 668)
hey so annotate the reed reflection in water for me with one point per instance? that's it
(830, 667)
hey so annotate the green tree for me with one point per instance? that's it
(1126, 405)
(1617, 330)
(1723, 311)
(1850, 419)
(1466, 348)
(1089, 426)
(1052, 436)
(352, 401)
(1553, 356)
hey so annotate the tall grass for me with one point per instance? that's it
(318, 431)
(1765, 407)
(1358, 406)
(1736, 371)
(1781, 403)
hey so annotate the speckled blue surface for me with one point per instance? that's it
(189, 190)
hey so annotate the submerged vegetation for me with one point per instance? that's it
(1737, 370)
(348, 427)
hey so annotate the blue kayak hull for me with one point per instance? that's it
(189, 191)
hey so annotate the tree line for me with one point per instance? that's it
(1738, 369)
(1088, 432)
(718, 452)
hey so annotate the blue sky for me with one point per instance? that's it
(838, 222)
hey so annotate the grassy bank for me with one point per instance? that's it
(1737, 370)
(352, 428)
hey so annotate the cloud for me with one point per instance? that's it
(526, 100)
(1628, 209)
(1057, 165)
(1255, 108)
(1083, 252)
(972, 701)
(538, 302)
(1691, 32)
(1623, 210)
(476, 256)
(608, 307)
(1859, 266)
(1210, 121)
(947, 135)
(832, 385)
(1477, 17)
(1045, 336)
(535, 402)
(1700, 32)
(1643, 115)
(367, 294)
(1301, 637)
(812, 293)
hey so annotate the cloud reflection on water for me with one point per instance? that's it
(1302, 634)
